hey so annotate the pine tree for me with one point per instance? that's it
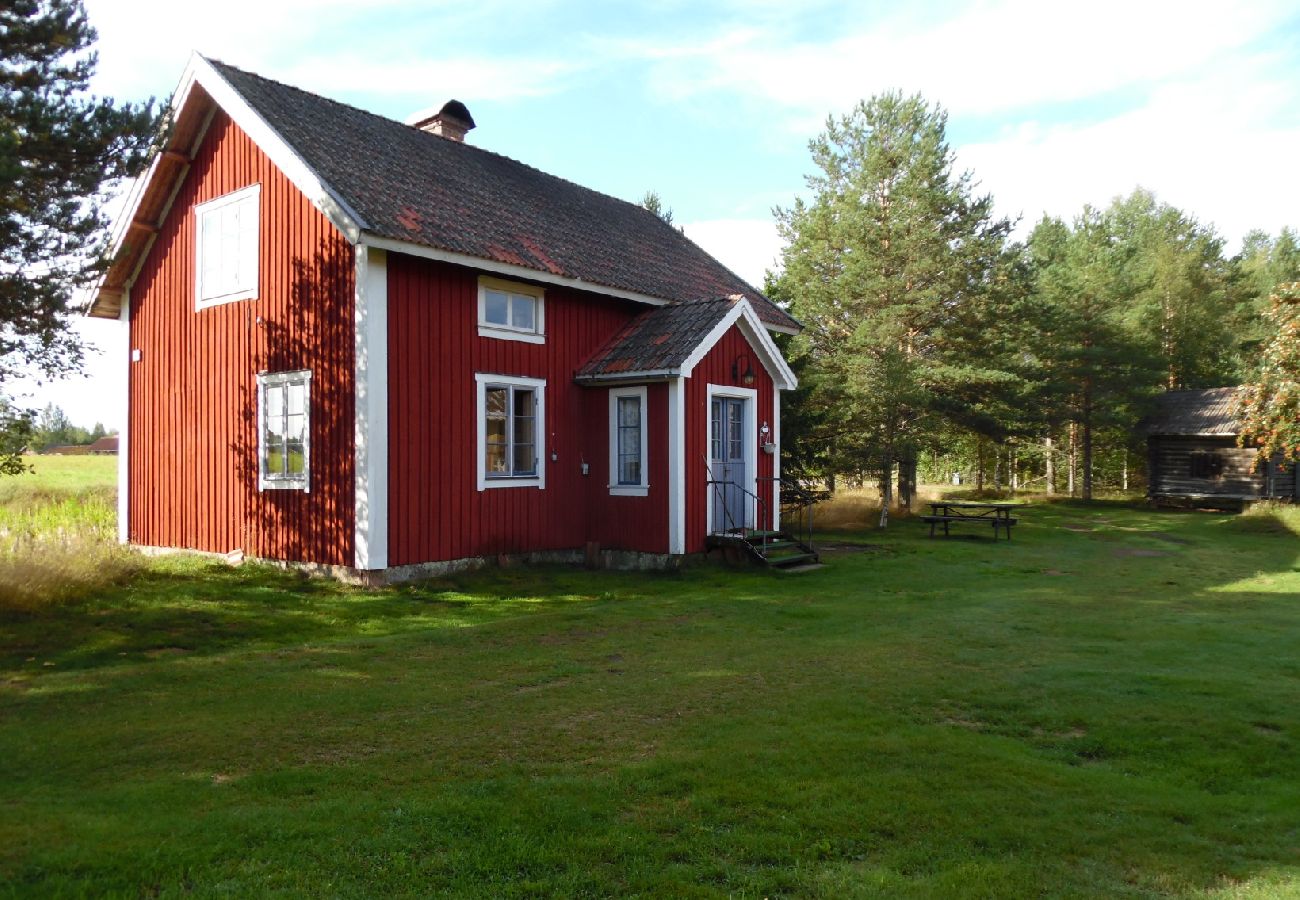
(890, 252)
(1095, 365)
(1180, 286)
(61, 150)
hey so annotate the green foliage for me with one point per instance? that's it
(1270, 405)
(53, 428)
(61, 153)
(653, 202)
(15, 436)
(890, 266)
(1103, 707)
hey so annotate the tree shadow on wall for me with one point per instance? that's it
(306, 323)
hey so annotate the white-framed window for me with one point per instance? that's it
(284, 430)
(628, 473)
(511, 431)
(511, 310)
(225, 256)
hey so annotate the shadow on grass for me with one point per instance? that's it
(189, 606)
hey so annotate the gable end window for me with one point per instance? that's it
(628, 475)
(511, 311)
(225, 262)
(511, 431)
(284, 430)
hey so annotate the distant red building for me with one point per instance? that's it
(373, 346)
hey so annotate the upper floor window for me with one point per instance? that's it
(511, 431)
(284, 430)
(511, 310)
(226, 247)
(627, 442)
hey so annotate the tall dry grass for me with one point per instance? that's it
(852, 508)
(58, 545)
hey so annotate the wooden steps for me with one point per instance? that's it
(777, 549)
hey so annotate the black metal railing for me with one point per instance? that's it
(762, 517)
(797, 506)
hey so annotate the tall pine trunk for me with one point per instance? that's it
(1073, 478)
(907, 482)
(1049, 453)
(979, 463)
(886, 490)
(1087, 440)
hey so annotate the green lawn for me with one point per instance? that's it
(1109, 705)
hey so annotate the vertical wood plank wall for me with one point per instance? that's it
(715, 368)
(193, 442)
(435, 510)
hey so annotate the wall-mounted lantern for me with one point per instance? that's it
(742, 369)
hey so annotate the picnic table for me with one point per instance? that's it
(948, 512)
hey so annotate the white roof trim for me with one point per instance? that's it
(755, 332)
(199, 71)
(295, 168)
(514, 271)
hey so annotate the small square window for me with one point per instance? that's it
(510, 310)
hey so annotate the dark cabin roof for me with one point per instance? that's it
(657, 341)
(412, 186)
(1188, 413)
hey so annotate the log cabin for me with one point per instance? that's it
(1193, 457)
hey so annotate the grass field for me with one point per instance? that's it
(1108, 705)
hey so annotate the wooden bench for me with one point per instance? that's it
(1004, 522)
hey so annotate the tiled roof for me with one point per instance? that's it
(412, 186)
(1205, 412)
(658, 340)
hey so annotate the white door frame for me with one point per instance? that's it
(749, 432)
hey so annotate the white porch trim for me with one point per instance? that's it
(676, 466)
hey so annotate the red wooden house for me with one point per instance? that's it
(372, 346)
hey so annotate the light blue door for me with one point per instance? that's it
(727, 463)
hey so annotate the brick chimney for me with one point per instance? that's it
(450, 122)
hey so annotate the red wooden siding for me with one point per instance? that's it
(193, 440)
(715, 368)
(435, 510)
(629, 523)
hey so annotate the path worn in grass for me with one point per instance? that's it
(1107, 709)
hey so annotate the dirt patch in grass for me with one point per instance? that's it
(1129, 552)
(843, 547)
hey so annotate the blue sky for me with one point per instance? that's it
(1051, 105)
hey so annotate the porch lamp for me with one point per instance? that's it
(746, 377)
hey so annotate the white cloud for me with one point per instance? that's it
(989, 58)
(1218, 146)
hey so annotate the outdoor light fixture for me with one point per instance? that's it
(747, 376)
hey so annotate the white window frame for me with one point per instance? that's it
(283, 482)
(615, 488)
(535, 335)
(251, 195)
(482, 382)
